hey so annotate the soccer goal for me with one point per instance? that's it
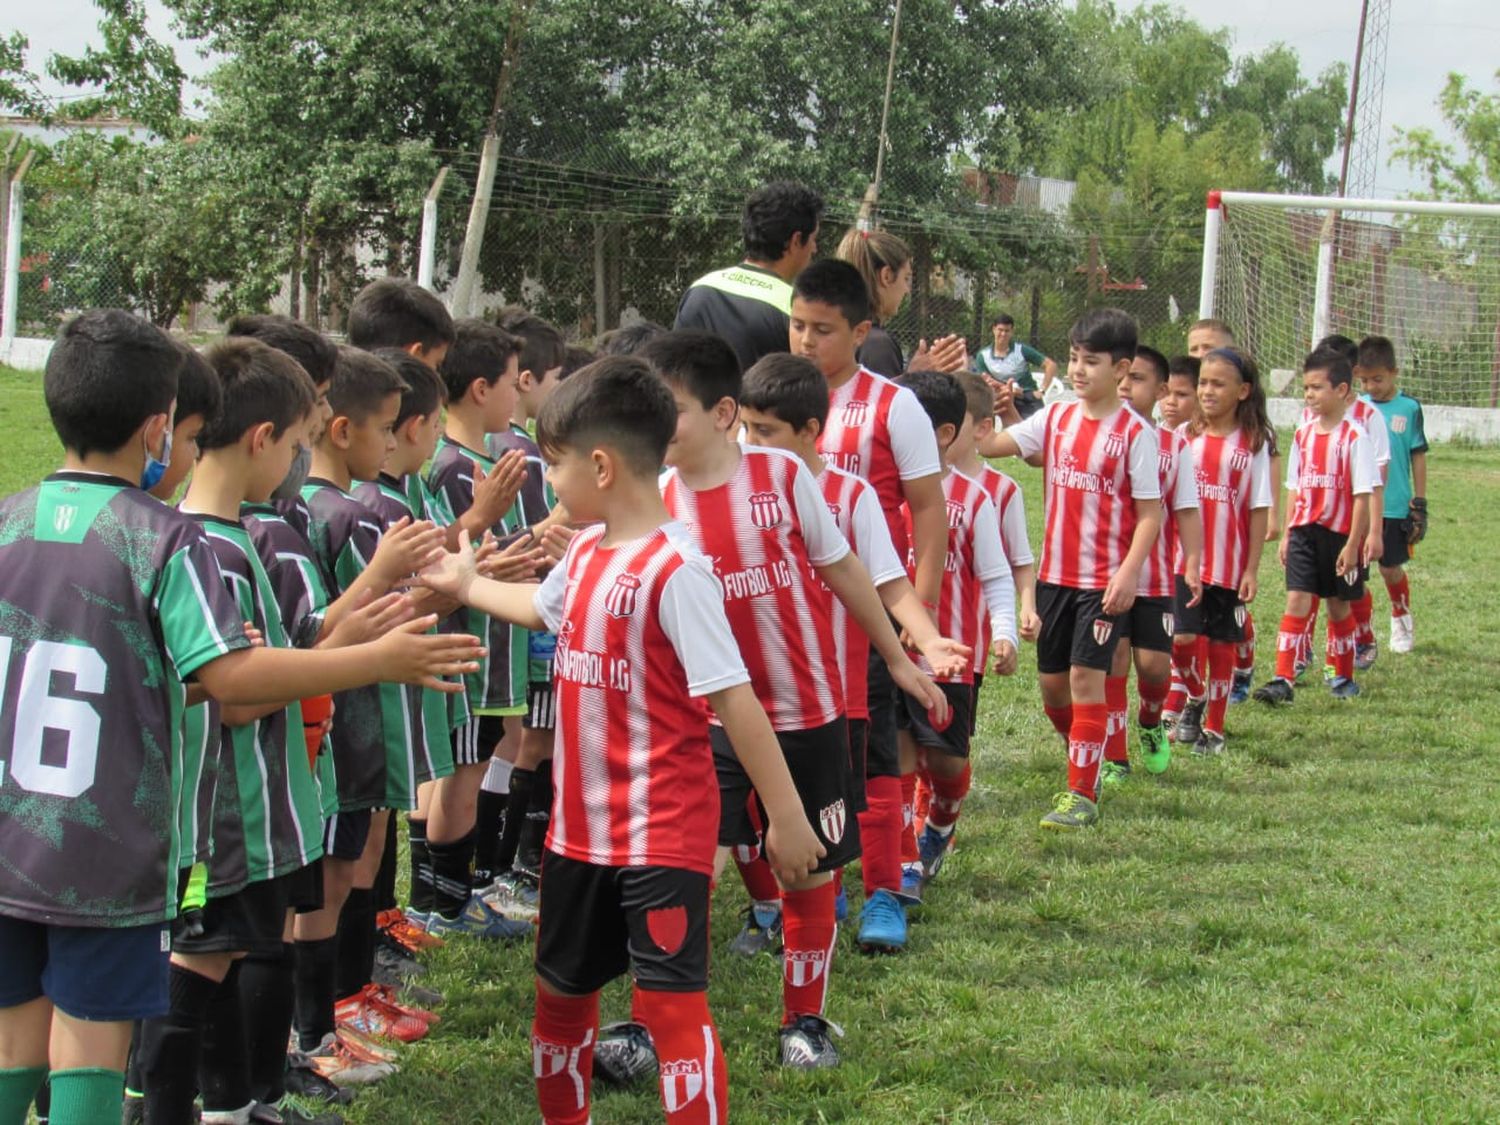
(1286, 270)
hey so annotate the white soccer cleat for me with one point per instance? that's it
(1401, 633)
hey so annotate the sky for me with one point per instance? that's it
(1428, 39)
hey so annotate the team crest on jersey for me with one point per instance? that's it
(1163, 463)
(547, 1059)
(1398, 424)
(955, 515)
(835, 510)
(854, 414)
(1239, 460)
(63, 516)
(804, 966)
(667, 927)
(765, 510)
(1114, 445)
(831, 818)
(681, 1083)
(620, 601)
(1103, 629)
(1240, 613)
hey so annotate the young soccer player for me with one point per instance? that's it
(759, 516)
(976, 573)
(1103, 515)
(86, 943)
(1147, 629)
(1405, 509)
(1331, 472)
(1179, 411)
(396, 312)
(643, 644)
(784, 405)
(198, 398)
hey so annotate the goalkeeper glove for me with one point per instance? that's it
(1418, 521)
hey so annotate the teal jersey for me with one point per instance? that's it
(1403, 421)
(267, 813)
(109, 602)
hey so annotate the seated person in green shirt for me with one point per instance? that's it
(1009, 360)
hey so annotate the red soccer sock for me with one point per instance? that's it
(1061, 718)
(880, 835)
(1153, 695)
(1244, 652)
(694, 1084)
(948, 795)
(1086, 748)
(1288, 641)
(909, 852)
(1400, 592)
(759, 880)
(808, 931)
(1341, 646)
(1362, 608)
(562, 1055)
(1187, 667)
(1116, 702)
(1220, 671)
(923, 797)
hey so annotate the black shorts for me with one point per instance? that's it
(881, 756)
(1396, 548)
(652, 921)
(1076, 632)
(474, 742)
(1312, 552)
(541, 706)
(859, 743)
(251, 920)
(974, 707)
(1148, 624)
(952, 739)
(1219, 616)
(345, 834)
(818, 761)
(103, 973)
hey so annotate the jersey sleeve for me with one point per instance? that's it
(1418, 438)
(692, 616)
(913, 443)
(1293, 472)
(1014, 536)
(1260, 476)
(1185, 487)
(871, 537)
(826, 544)
(1032, 356)
(992, 569)
(1364, 474)
(1145, 480)
(550, 596)
(1030, 434)
(199, 619)
(1380, 438)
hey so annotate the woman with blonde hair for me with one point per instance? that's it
(884, 261)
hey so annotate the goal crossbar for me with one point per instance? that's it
(1339, 203)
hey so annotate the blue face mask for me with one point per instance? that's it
(156, 469)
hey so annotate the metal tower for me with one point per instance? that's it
(1361, 160)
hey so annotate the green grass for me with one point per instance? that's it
(1305, 930)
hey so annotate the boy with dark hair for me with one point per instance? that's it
(642, 643)
(975, 573)
(396, 312)
(1103, 516)
(1404, 513)
(1330, 473)
(315, 352)
(86, 944)
(1180, 413)
(758, 514)
(630, 338)
(198, 398)
(748, 304)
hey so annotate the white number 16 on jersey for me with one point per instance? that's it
(38, 710)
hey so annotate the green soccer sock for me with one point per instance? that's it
(87, 1096)
(17, 1089)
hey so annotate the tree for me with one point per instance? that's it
(1470, 174)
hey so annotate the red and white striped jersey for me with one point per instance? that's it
(1179, 490)
(1368, 418)
(879, 431)
(976, 574)
(1095, 470)
(1010, 506)
(856, 512)
(1325, 471)
(764, 530)
(1233, 480)
(641, 638)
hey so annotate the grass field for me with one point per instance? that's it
(1304, 930)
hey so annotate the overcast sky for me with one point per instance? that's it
(1428, 38)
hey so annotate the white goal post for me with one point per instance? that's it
(1286, 270)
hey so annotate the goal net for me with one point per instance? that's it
(1284, 271)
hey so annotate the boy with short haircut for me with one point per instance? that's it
(1331, 473)
(83, 957)
(643, 643)
(1179, 406)
(396, 312)
(198, 398)
(784, 405)
(1405, 509)
(976, 573)
(758, 515)
(1103, 516)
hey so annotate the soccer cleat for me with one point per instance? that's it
(366, 1014)
(932, 846)
(1364, 656)
(910, 893)
(1169, 724)
(1274, 691)
(1343, 688)
(761, 932)
(288, 1112)
(882, 925)
(1239, 687)
(1156, 750)
(303, 1081)
(1298, 667)
(1071, 811)
(513, 896)
(624, 1054)
(1114, 774)
(337, 1061)
(841, 906)
(807, 1045)
(407, 931)
(1190, 722)
(394, 997)
(1210, 744)
(479, 919)
(1402, 633)
(393, 957)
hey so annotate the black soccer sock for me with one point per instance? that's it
(315, 974)
(538, 818)
(421, 866)
(356, 942)
(134, 1083)
(223, 1064)
(170, 1045)
(450, 875)
(489, 815)
(385, 878)
(267, 998)
(522, 781)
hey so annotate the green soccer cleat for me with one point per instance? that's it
(1114, 774)
(1156, 750)
(1071, 812)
